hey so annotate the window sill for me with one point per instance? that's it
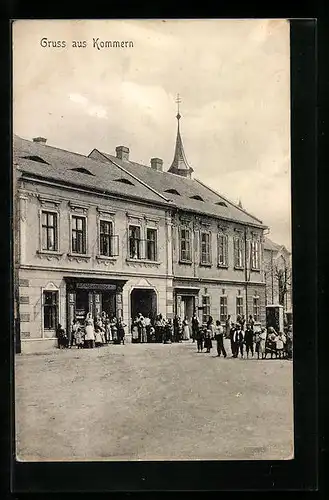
(79, 256)
(106, 257)
(49, 252)
(254, 270)
(222, 266)
(187, 262)
(143, 261)
(239, 268)
(205, 264)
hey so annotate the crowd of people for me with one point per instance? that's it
(243, 337)
(92, 332)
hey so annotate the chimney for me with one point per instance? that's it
(40, 140)
(122, 153)
(156, 164)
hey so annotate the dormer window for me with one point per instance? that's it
(196, 197)
(81, 170)
(124, 181)
(221, 203)
(172, 191)
(36, 158)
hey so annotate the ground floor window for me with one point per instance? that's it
(239, 306)
(50, 310)
(223, 308)
(256, 308)
(206, 308)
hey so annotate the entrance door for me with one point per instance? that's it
(187, 307)
(143, 301)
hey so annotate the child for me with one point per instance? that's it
(199, 339)
(63, 341)
(208, 341)
(79, 338)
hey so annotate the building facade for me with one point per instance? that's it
(278, 275)
(103, 233)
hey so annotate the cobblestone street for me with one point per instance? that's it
(152, 402)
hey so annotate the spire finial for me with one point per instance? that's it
(178, 101)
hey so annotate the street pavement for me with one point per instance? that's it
(152, 402)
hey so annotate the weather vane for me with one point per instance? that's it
(178, 101)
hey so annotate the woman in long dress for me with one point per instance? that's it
(90, 332)
(186, 329)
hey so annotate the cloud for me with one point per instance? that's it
(90, 108)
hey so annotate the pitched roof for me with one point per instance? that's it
(187, 188)
(271, 245)
(179, 163)
(57, 164)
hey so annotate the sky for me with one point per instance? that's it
(232, 76)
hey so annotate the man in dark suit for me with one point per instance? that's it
(237, 341)
(249, 340)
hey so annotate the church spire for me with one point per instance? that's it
(179, 164)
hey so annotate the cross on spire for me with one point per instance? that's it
(178, 101)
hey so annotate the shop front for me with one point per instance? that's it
(93, 296)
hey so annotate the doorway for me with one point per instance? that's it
(187, 307)
(143, 301)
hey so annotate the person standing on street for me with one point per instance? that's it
(249, 340)
(199, 339)
(208, 341)
(90, 332)
(219, 337)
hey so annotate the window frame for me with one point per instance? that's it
(140, 257)
(56, 212)
(206, 316)
(256, 312)
(109, 236)
(239, 309)
(225, 263)
(239, 250)
(155, 241)
(50, 288)
(85, 230)
(189, 231)
(223, 318)
(209, 253)
(255, 255)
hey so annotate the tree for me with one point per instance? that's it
(282, 274)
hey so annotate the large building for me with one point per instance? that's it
(105, 233)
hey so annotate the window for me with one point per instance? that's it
(125, 181)
(78, 234)
(172, 191)
(134, 242)
(106, 241)
(196, 197)
(221, 203)
(50, 310)
(151, 244)
(185, 245)
(239, 306)
(256, 308)
(223, 308)
(205, 248)
(222, 250)
(254, 248)
(36, 158)
(206, 308)
(82, 170)
(238, 252)
(49, 231)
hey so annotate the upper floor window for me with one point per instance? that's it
(256, 308)
(49, 231)
(185, 245)
(223, 308)
(78, 234)
(222, 250)
(134, 242)
(151, 244)
(238, 252)
(106, 243)
(206, 248)
(50, 310)
(254, 248)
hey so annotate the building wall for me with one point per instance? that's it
(272, 260)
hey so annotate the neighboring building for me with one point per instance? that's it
(104, 233)
(278, 275)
